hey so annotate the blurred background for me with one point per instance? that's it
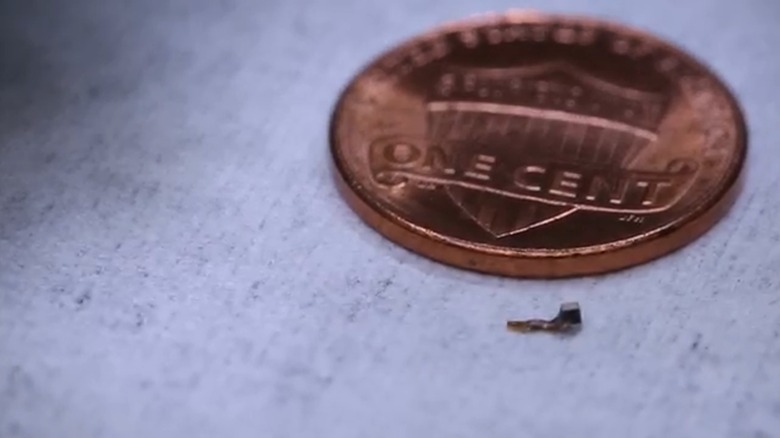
(175, 261)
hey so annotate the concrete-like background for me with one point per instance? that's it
(175, 261)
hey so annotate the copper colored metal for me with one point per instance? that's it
(538, 145)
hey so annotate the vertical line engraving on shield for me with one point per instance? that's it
(487, 212)
(504, 126)
(562, 147)
(581, 131)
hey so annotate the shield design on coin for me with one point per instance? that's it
(545, 115)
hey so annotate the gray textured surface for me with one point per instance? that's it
(174, 260)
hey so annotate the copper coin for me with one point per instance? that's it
(538, 145)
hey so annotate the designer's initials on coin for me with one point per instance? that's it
(535, 145)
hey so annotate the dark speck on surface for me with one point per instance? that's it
(83, 299)
(696, 341)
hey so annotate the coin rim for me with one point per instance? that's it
(539, 262)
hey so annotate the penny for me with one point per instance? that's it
(538, 145)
